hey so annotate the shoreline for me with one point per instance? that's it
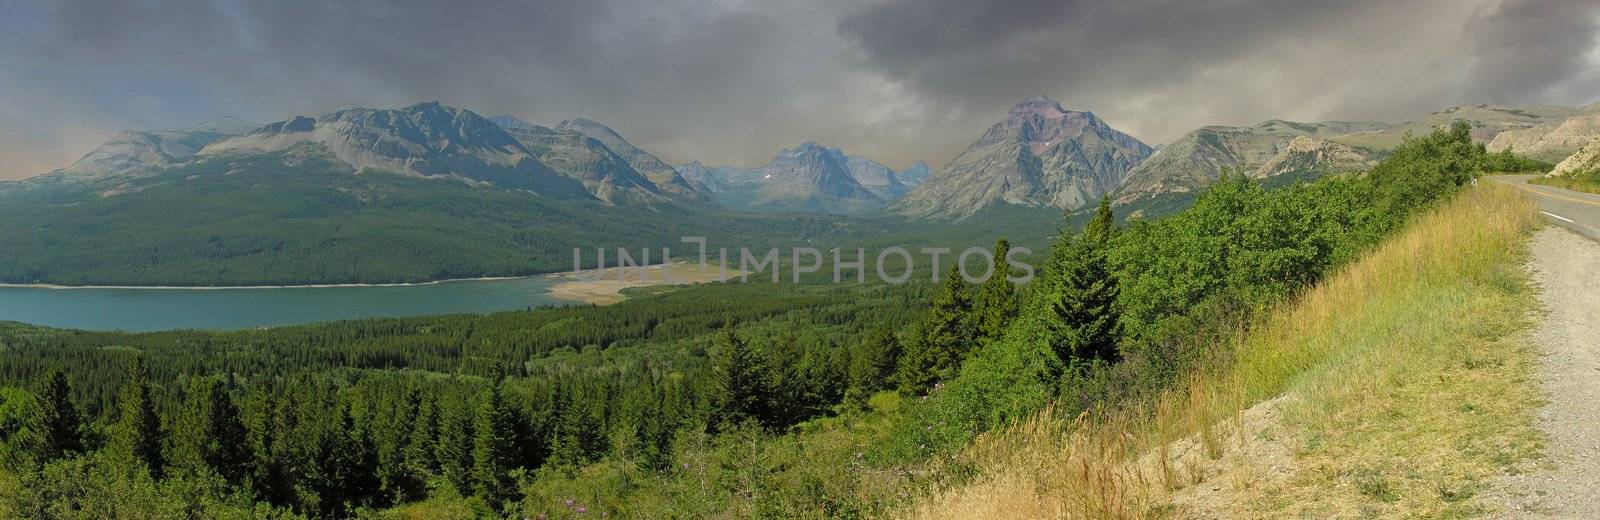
(566, 282)
(605, 286)
(58, 287)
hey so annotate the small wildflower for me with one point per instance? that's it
(582, 509)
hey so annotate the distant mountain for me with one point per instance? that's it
(660, 173)
(1306, 157)
(876, 178)
(135, 150)
(1487, 122)
(425, 140)
(718, 181)
(1552, 140)
(372, 195)
(1198, 158)
(914, 174)
(1040, 155)
(511, 121)
(603, 173)
(807, 178)
(812, 178)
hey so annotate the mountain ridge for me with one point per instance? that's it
(1040, 154)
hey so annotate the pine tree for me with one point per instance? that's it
(494, 449)
(402, 478)
(137, 436)
(424, 435)
(996, 303)
(59, 418)
(211, 434)
(1087, 325)
(350, 464)
(873, 364)
(454, 449)
(944, 339)
(740, 381)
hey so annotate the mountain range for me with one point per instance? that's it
(1554, 139)
(1201, 156)
(807, 178)
(360, 194)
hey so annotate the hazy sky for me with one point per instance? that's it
(733, 81)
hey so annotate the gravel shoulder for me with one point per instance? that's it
(1567, 485)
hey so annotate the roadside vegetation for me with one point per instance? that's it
(1393, 389)
(810, 401)
(1587, 181)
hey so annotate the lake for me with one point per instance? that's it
(237, 308)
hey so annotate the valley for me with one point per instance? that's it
(631, 259)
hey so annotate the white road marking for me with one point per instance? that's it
(1563, 219)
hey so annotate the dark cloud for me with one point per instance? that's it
(734, 80)
(1535, 48)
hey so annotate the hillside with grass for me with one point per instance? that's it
(1392, 388)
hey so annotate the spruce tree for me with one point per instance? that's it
(873, 364)
(1087, 325)
(136, 438)
(740, 381)
(424, 435)
(945, 337)
(454, 449)
(494, 449)
(996, 303)
(211, 434)
(59, 420)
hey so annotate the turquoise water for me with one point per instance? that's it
(161, 309)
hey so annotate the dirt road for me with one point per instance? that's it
(1567, 268)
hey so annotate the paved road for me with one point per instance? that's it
(1576, 210)
(1566, 269)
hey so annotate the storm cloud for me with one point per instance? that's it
(733, 81)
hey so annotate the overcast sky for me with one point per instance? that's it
(733, 81)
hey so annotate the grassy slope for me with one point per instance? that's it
(1583, 183)
(1403, 381)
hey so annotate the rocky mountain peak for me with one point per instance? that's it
(664, 176)
(1041, 123)
(1040, 154)
(511, 121)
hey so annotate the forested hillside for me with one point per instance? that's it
(724, 399)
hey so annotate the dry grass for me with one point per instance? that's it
(1584, 183)
(1394, 387)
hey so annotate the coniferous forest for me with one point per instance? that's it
(740, 399)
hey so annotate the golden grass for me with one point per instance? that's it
(1586, 184)
(1395, 386)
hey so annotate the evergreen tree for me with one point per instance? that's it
(1086, 325)
(402, 479)
(739, 381)
(945, 337)
(137, 436)
(996, 303)
(22, 444)
(59, 418)
(212, 434)
(494, 449)
(873, 363)
(424, 435)
(454, 449)
(350, 464)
